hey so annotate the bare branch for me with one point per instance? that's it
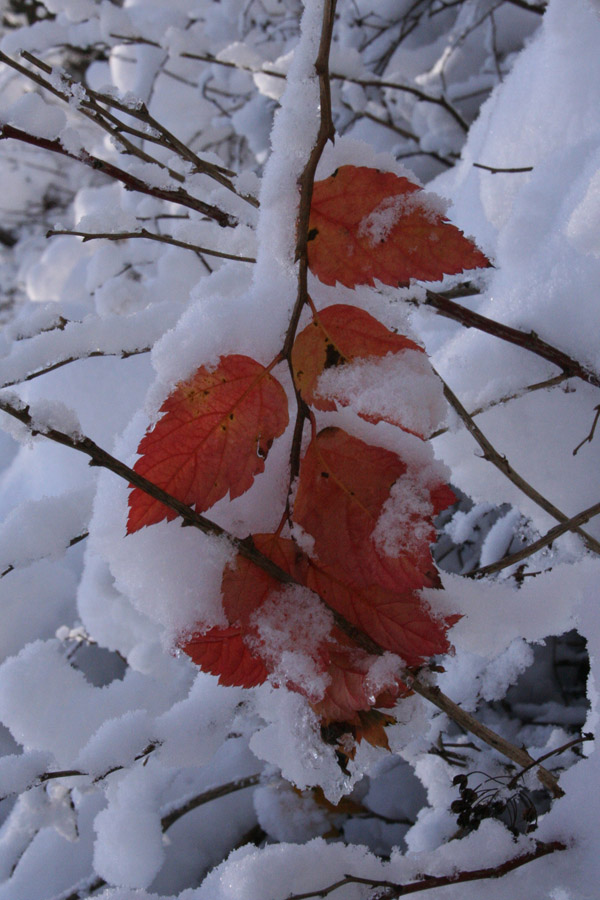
(527, 340)
(72, 542)
(578, 740)
(550, 536)
(516, 395)
(131, 182)
(387, 890)
(502, 464)
(151, 236)
(589, 437)
(123, 354)
(222, 790)
(469, 723)
(496, 171)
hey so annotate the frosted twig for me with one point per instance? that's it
(528, 340)
(336, 76)
(151, 236)
(550, 536)
(123, 354)
(470, 723)
(502, 464)
(131, 182)
(578, 740)
(516, 395)
(222, 790)
(72, 542)
(386, 890)
(88, 104)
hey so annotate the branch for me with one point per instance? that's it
(152, 236)
(88, 104)
(502, 464)
(131, 182)
(245, 547)
(528, 340)
(72, 542)
(469, 723)
(495, 170)
(206, 797)
(547, 539)
(390, 891)
(335, 76)
(578, 740)
(516, 395)
(122, 354)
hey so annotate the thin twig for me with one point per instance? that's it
(516, 395)
(72, 542)
(131, 182)
(495, 170)
(336, 76)
(151, 236)
(528, 340)
(590, 436)
(386, 890)
(502, 464)
(469, 723)
(88, 105)
(207, 797)
(573, 743)
(547, 539)
(122, 354)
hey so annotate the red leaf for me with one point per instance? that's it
(222, 652)
(343, 486)
(348, 692)
(245, 586)
(397, 620)
(214, 435)
(337, 335)
(366, 225)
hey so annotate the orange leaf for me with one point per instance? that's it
(366, 225)
(222, 652)
(337, 335)
(213, 438)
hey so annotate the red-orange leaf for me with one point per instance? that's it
(366, 225)
(397, 620)
(245, 586)
(342, 488)
(348, 691)
(222, 652)
(214, 435)
(337, 335)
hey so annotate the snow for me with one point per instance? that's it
(96, 334)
